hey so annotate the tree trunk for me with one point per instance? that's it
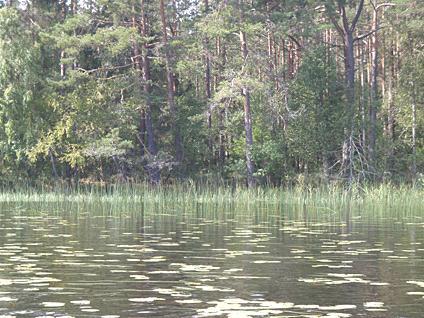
(208, 92)
(363, 99)
(414, 134)
(142, 132)
(346, 31)
(138, 67)
(221, 53)
(62, 14)
(171, 87)
(391, 109)
(347, 160)
(74, 6)
(247, 109)
(152, 169)
(53, 163)
(373, 93)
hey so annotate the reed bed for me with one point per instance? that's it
(324, 198)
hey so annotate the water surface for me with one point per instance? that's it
(209, 262)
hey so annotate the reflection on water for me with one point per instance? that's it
(213, 263)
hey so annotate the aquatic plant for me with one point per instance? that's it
(327, 200)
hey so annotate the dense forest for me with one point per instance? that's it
(257, 91)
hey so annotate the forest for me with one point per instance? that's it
(250, 91)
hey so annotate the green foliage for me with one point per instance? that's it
(73, 94)
(317, 110)
(19, 82)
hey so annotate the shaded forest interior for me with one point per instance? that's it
(257, 91)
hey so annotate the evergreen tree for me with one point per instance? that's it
(252, 91)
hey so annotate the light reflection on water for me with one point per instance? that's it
(204, 263)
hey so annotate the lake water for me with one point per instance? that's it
(209, 262)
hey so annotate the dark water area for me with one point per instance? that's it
(208, 263)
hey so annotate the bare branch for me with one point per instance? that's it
(334, 21)
(291, 37)
(342, 11)
(357, 15)
(102, 69)
(386, 4)
(381, 5)
(362, 36)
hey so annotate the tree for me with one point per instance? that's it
(171, 85)
(337, 13)
(247, 105)
(151, 167)
(237, 90)
(20, 79)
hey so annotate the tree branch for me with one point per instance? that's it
(334, 21)
(357, 15)
(362, 36)
(291, 37)
(386, 4)
(342, 12)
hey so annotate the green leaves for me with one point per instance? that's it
(74, 91)
(19, 80)
(109, 146)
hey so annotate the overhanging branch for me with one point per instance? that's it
(362, 36)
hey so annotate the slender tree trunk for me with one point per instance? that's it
(62, 13)
(208, 90)
(347, 160)
(383, 53)
(171, 87)
(152, 168)
(142, 132)
(175, 23)
(321, 131)
(63, 73)
(74, 5)
(221, 53)
(53, 163)
(290, 59)
(284, 58)
(275, 63)
(138, 67)
(373, 93)
(414, 133)
(247, 108)
(391, 108)
(363, 100)
(271, 65)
